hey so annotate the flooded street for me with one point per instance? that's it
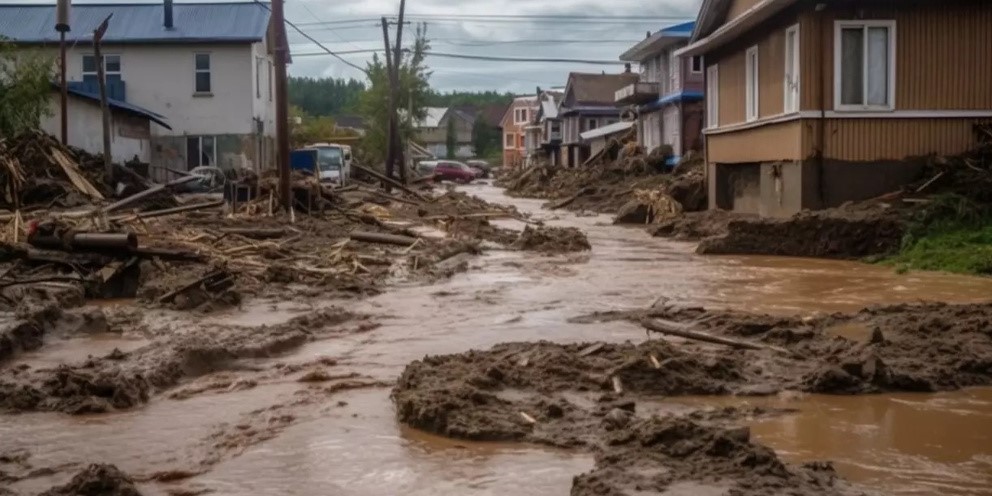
(351, 444)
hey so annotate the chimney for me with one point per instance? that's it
(648, 35)
(167, 14)
(626, 68)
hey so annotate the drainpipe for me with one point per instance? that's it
(820, 8)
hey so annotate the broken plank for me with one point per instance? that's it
(591, 349)
(527, 418)
(617, 385)
(681, 330)
(654, 361)
(382, 177)
(391, 239)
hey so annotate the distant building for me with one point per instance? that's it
(587, 104)
(432, 131)
(813, 104)
(667, 100)
(350, 123)
(205, 67)
(543, 135)
(515, 120)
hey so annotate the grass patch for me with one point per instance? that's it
(951, 234)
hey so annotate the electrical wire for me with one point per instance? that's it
(307, 36)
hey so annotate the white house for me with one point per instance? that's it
(205, 67)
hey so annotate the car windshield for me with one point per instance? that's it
(329, 159)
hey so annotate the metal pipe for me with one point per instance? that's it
(104, 240)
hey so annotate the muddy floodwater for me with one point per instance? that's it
(351, 444)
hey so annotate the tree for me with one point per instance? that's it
(413, 91)
(485, 138)
(25, 88)
(325, 96)
(451, 138)
(305, 129)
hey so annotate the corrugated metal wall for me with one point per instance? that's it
(896, 139)
(768, 143)
(943, 53)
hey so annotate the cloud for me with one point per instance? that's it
(598, 40)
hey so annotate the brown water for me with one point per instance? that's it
(899, 444)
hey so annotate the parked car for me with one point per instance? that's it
(482, 166)
(426, 167)
(447, 170)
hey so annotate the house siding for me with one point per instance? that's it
(892, 139)
(767, 143)
(738, 7)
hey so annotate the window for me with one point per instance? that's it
(713, 96)
(792, 69)
(111, 68)
(697, 64)
(674, 73)
(864, 69)
(555, 127)
(509, 141)
(200, 150)
(521, 141)
(591, 124)
(751, 83)
(520, 116)
(202, 71)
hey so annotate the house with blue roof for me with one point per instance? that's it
(204, 68)
(667, 101)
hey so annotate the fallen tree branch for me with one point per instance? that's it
(682, 330)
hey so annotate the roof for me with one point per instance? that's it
(658, 41)
(549, 104)
(128, 108)
(432, 117)
(140, 23)
(597, 89)
(616, 127)
(710, 33)
(493, 114)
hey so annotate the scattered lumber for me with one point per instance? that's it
(392, 182)
(255, 233)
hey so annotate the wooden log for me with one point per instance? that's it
(654, 361)
(527, 418)
(390, 181)
(391, 239)
(681, 330)
(255, 233)
(591, 349)
(168, 211)
(617, 385)
(123, 202)
(167, 254)
(36, 280)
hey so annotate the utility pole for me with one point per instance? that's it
(397, 63)
(108, 163)
(391, 127)
(282, 106)
(62, 26)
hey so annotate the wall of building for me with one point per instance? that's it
(769, 143)
(129, 135)
(892, 139)
(942, 53)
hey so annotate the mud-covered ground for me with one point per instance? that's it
(588, 395)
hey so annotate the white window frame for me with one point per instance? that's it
(106, 72)
(752, 84)
(509, 141)
(792, 87)
(865, 24)
(592, 123)
(713, 96)
(258, 77)
(520, 115)
(199, 158)
(208, 70)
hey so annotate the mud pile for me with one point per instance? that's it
(678, 455)
(97, 480)
(694, 226)
(552, 240)
(122, 380)
(853, 231)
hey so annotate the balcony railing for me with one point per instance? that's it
(637, 93)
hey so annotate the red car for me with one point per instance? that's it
(454, 171)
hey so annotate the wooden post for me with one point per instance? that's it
(108, 163)
(391, 125)
(62, 8)
(397, 64)
(282, 105)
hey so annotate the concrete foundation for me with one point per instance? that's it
(782, 189)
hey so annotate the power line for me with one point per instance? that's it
(334, 32)
(328, 50)
(521, 59)
(475, 42)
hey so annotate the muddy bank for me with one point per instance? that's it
(674, 455)
(854, 231)
(122, 380)
(31, 324)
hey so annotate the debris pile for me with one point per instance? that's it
(636, 188)
(550, 240)
(97, 480)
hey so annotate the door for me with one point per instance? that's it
(672, 130)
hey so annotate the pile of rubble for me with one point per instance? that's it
(636, 187)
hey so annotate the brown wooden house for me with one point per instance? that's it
(811, 104)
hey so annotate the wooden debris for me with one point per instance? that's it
(617, 385)
(527, 418)
(589, 350)
(681, 330)
(392, 239)
(654, 361)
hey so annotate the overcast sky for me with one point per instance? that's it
(584, 36)
(589, 38)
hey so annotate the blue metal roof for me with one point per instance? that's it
(140, 23)
(683, 30)
(123, 106)
(658, 41)
(681, 96)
